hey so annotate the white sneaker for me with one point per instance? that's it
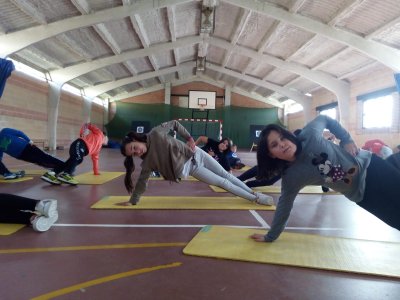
(264, 199)
(47, 208)
(42, 223)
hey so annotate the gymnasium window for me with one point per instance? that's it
(330, 110)
(379, 111)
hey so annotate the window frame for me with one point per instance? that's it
(390, 91)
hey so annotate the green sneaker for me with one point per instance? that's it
(66, 178)
(50, 177)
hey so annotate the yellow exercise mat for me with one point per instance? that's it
(276, 189)
(90, 178)
(181, 202)
(189, 178)
(15, 180)
(245, 168)
(32, 172)
(7, 229)
(300, 250)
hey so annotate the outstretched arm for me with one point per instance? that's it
(201, 140)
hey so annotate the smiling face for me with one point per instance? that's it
(223, 145)
(280, 147)
(135, 149)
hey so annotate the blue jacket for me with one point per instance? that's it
(12, 142)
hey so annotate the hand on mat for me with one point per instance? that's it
(127, 203)
(257, 237)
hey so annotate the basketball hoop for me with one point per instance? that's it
(202, 107)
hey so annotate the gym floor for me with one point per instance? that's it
(125, 254)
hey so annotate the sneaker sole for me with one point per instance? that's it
(50, 181)
(42, 224)
(52, 210)
(67, 182)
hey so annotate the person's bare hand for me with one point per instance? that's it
(257, 237)
(127, 203)
(191, 144)
(352, 148)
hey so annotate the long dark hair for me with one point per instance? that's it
(228, 148)
(268, 166)
(128, 162)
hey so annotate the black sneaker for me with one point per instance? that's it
(325, 189)
(20, 173)
(9, 176)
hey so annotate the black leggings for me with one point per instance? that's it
(77, 151)
(11, 207)
(382, 191)
(251, 173)
(35, 155)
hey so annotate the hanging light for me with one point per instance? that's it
(201, 63)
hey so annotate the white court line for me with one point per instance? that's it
(182, 226)
(260, 220)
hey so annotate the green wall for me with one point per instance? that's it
(236, 120)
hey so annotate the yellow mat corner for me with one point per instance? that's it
(181, 202)
(276, 189)
(7, 229)
(90, 178)
(15, 180)
(300, 250)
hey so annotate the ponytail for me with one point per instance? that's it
(128, 162)
(130, 168)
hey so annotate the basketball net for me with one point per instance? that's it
(202, 107)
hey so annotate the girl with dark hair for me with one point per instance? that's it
(174, 160)
(310, 159)
(218, 150)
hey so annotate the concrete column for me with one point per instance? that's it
(343, 97)
(228, 94)
(167, 93)
(52, 113)
(87, 109)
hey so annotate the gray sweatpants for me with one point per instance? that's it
(208, 170)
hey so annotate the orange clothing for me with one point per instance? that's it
(93, 137)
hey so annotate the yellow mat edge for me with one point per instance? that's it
(188, 245)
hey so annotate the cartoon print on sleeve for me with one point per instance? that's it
(330, 172)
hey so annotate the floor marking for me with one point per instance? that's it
(128, 225)
(313, 228)
(264, 225)
(260, 220)
(90, 283)
(96, 247)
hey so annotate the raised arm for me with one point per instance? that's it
(181, 130)
(321, 122)
(201, 140)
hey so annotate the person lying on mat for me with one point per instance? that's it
(18, 145)
(217, 150)
(309, 159)
(174, 159)
(90, 142)
(234, 160)
(41, 214)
